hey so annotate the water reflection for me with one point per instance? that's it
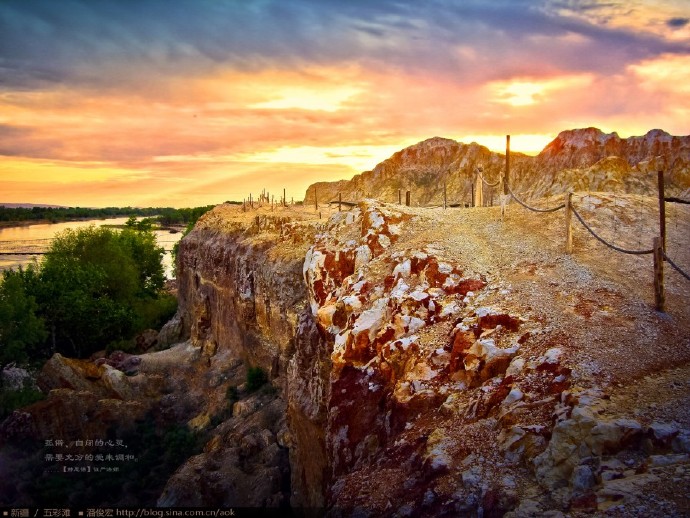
(37, 237)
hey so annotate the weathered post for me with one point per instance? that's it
(569, 223)
(407, 198)
(472, 191)
(659, 295)
(479, 190)
(251, 201)
(399, 196)
(445, 200)
(340, 201)
(316, 201)
(507, 175)
(662, 210)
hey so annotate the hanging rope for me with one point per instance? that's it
(495, 184)
(675, 267)
(533, 209)
(614, 247)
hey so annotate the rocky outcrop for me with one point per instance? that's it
(582, 159)
(423, 377)
(240, 287)
(86, 398)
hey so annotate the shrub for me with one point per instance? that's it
(256, 377)
(11, 400)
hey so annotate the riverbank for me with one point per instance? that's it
(27, 223)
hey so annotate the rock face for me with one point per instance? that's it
(423, 377)
(240, 287)
(581, 159)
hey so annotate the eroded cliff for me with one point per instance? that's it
(440, 362)
(422, 362)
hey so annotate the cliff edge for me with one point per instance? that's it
(437, 362)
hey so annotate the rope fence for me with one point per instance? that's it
(533, 209)
(603, 241)
(675, 266)
(495, 184)
(658, 251)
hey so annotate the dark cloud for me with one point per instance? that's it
(677, 23)
(111, 44)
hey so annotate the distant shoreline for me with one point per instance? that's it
(173, 229)
(26, 223)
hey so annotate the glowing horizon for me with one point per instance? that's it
(198, 106)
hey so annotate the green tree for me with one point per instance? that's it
(91, 283)
(21, 331)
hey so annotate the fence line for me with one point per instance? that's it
(658, 250)
(674, 266)
(602, 240)
(533, 209)
(495, 184)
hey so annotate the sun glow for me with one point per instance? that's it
(526, 92)
(306, 98)
(529, 144)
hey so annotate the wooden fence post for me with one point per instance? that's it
(445, 199)
(479, 191)
(662, 210)
(340, 201)
(569, 223)
(316, 201)
(659, 295)
(407, 198)
(284, 198)
(507, 175)
(399, 196)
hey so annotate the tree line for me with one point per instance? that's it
(164, 215)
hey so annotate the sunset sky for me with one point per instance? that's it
(184, 103)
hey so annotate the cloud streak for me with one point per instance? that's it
(96, 43)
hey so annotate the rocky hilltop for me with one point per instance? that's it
(581, 159)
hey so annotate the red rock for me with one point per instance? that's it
(461, 343)
(491, 321)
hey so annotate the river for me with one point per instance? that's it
(37, 238)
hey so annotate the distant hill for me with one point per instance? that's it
(584, 159)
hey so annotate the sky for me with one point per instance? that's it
(186, 103)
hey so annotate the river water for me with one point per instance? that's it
(36, 238)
